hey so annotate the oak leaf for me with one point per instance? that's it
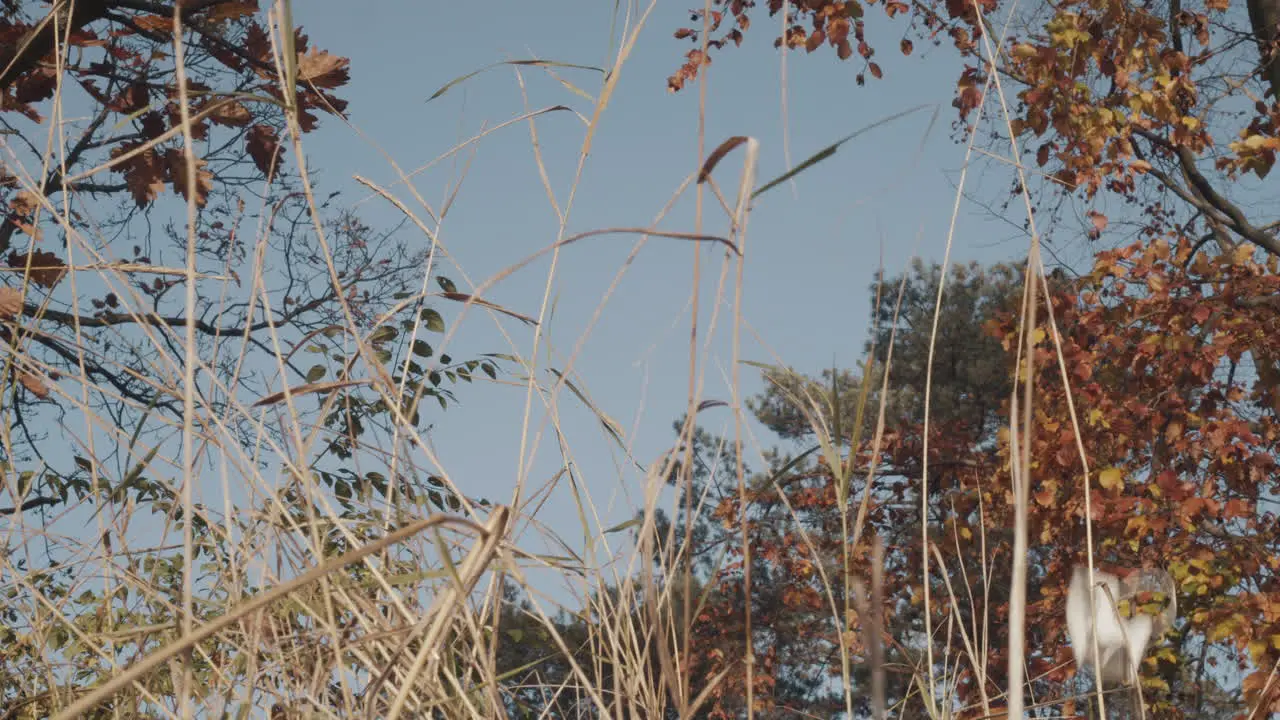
(230, 113)
(46, 268)
(36, 86)
(178, 176)
(263, 146)
(144, 173)
(323, 69)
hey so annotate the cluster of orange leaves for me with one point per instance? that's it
(1095, 72)
(1173, 359)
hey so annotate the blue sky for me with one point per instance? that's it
(812, 249)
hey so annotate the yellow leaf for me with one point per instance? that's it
(1037, 336)
(1221, 630)
(1022, 51)
(1256, 649)
(1155, 682)
(1242, 254)
(1111, 478)
(1135, 526)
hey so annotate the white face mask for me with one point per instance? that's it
(1122, 629)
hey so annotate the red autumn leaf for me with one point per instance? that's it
(906, 46)
(323, 70)
(875, 70)
(46, 268)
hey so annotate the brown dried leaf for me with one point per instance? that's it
(322, 69)
(135, 98)
(24, 203)
(143, 173)
(230, 113)
(263, 145)
(178, 176)
(33, 384)
(309, 388)
(36, 86)
(257, 44)
(463, 297)
(230, 11)
(1099, 220)
(199, 130)
(153, 125)
(10, 302)
(31, 231)
(156, 24)
(718, 154)
(46, 268)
